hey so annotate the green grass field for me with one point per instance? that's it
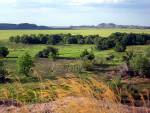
(5, 34)
(68, 51)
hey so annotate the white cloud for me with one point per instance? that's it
(84, 2)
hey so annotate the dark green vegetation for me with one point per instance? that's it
(49, 52)
(87, 55)
(102, 43)
(3, 51)
(3, 73)
(83, 56)
(121, 40)
(54, 39)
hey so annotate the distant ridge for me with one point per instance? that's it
(21, 26)
(112, 25)
(9, 26)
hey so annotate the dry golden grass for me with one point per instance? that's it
(72, 95)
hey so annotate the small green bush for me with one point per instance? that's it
(115, 83)
(85, 55)
(3, 72)
(119, 47)
(49, 52)
(128, 56)
(25, 63)
(3, 51)
(141, 65)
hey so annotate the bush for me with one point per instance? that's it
(49, 52)
(141, 65)
(128, 56)
(119, 47)
(115, 83)
(3, 51)
(3, 72)
(87, 55)
(25, 63)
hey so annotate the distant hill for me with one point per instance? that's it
(8, 26)
(22, 26)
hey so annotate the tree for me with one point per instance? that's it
(141, 65)
(3, 51)
(3, 72)
(25, 63)
(120, 47)
(72, 40)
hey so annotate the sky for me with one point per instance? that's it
(75, 12)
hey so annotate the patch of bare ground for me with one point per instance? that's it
(74, 105)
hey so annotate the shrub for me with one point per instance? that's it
(141, 65)
(87, 55)
(3, 51)
(53, 53)
(25, 63)
(115, 83)
(119, 47)
(128, 56)
(3, 72)
(49, 52)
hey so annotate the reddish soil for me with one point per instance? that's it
(73, 105)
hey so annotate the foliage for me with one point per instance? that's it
(128, 56)
(140, 64)
(53, 39)
(3, 51)
(120, 40)
(87, 55)
(25, 63)
(3, 72)
(119, 47)
(115, 83)
(48, 52)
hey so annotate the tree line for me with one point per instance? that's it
(54, 39)
(102, 43)
(122, 39)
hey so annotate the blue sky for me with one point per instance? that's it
(75, 12)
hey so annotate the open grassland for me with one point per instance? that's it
(5, 34)
(66, 76)
(70, 51)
